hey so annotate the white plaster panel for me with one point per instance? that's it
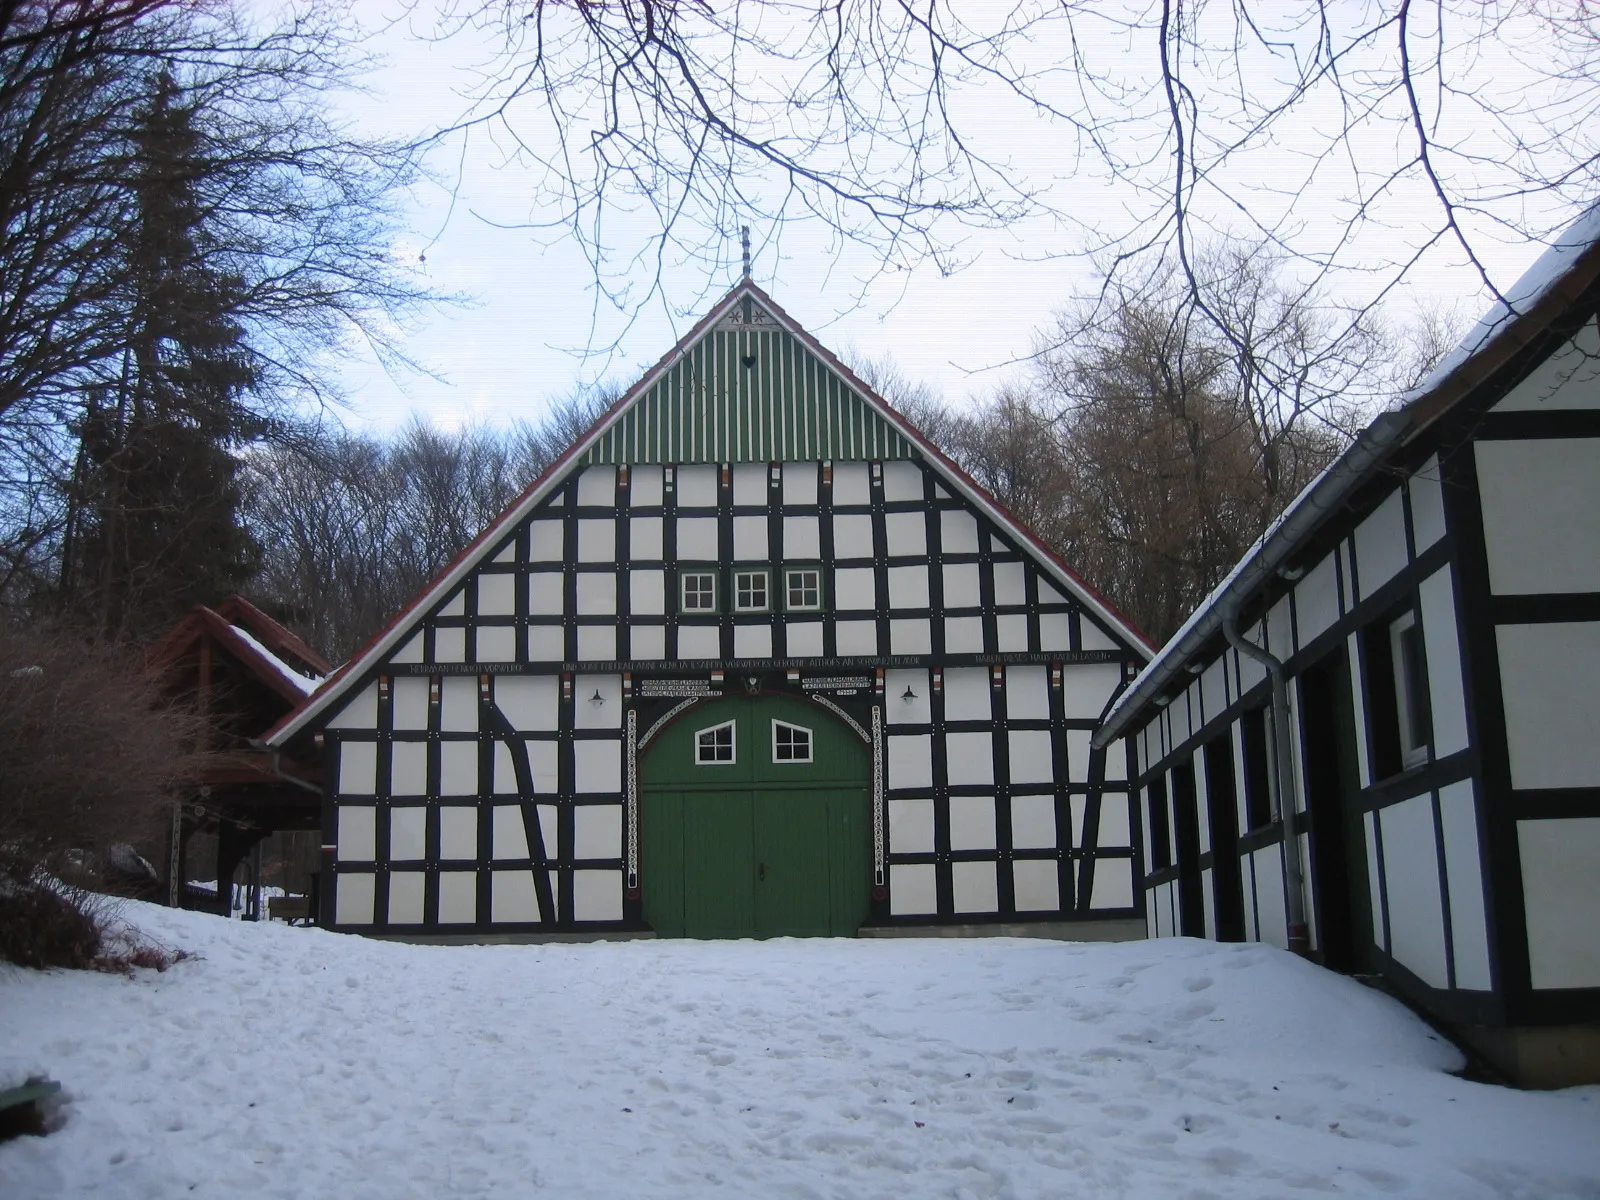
(358, 768)
(456, 606)
(1541, 514)
(495, 643)
(850, 483)
(528, 701)
(699, 641)
(969, 758)
(357, 838)
(647, 642)
(752, 641)
(597, 895)
(854, 588)
(507, 552)
(1113, 884)
(898, 710)
(597, 643)
(512, 899)
(353, 900)
(510, 835)
(450, 645)
(1010, 585)
(1469, 930)
(1316, 600)
(597, 766)
(549, 820)
(910, 636)
(1547, 681)
(1446, 689)
(1078, 749)
(1568, 379)
(697, 486)
(1027, 693)
(546, 643)
(1094, 638)
(1208, 901)
(647, 595)
(546, 591)
(546, 540)
(1033, 822)
(1251, 672)
(1411, 873)
(408, 769)
(1055, 631)
(910, 761)
(908, 587)
(852, 536)
(750, 484)
(1427, 504)
(804, 639)
(800, 540)
(598, 485)
(1117, 761)
(966, 694)
(972, 825)
(958, 531)
(458, 832)
(800, 483)
(586, 714)
(856, 637)
(1280, 630)
(1030, 756)
(961, 585)
(750, 539)
(1011, 631)
(913, 889)
(542, 762)
(458, 768)
(902, 480)
(905, 533)
(597, 593)
(505, 771)
(974, 887)
(1214, 690)
(410, 650)
(458, 704)
(963, 635)
(497, 595)
(1085, 688)
(1380, 545)
(458, 897)
(697, 539)
(1272, 925)
(407, 892)
(644, 539)
(1561, 895)
(597, 831)
(911, 826)
(644, 486)
(1035, 885)
(1115, 817)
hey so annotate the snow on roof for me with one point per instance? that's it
(305, 684)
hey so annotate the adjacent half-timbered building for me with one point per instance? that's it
(1431, 604)
(752, 658)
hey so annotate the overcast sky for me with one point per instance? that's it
(535, 327)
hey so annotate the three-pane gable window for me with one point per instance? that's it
(714, 745)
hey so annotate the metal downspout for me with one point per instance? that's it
(1283, 800)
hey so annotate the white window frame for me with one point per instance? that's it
(1413, 750)
(788, 603)
(683, 591)
(733, 745)
(766, 590)
(811, 743)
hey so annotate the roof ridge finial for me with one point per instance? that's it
(744, 238)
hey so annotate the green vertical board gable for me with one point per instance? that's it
(748, 395)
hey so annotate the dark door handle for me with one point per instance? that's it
(761, 872)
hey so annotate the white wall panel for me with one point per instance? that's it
(966, 694)
(1446, 688)
(410, 650)
(854, 588)
(908, 587)
(752, 641)
(905, 533)
(361, 712)
(1541, 514)
(645, 486)
(856, 637)
(510, 835)
(697, 486)
(1009, 583)
(852, 535)
(456, 606)
(458, 768)
(958, 531)
(902, 481)
(1117, 761)
(1561, 894)
(750, 539)
(1011, 632)
(1115, 832)
(598, 486)
(1078, 750)
(549, 820)
(850, 484)
(407, 892)
(1087, 686)
(699, 641)
(799, 483)
(910, 761)
(507, 553)
(528, 701)
(597, 831)
(597, 593)
(358, 768)
(1381, 544)
(1469, 932)
(1035, 885)
(1547, 679)
(546, 540)
(972, 825)
(897, 710)
(597, 643)
(408, 769)
(458, 704)
(1113, 884)
(1427, 505)
(1055, 631)
(961, 585)
(597, 895)
(1411, 872)
(1033, 822)
(597, 540)
(969, 758)
(1208, 901)
(750, 483)
(458, 832)
(357, 836)
(512, 897)
(495, 643)
(804, 639)
(504, 782)
(1214, 689)
(546, 643)
(697, 539)
(800, 540)
(911, 826)
(1316, 599)
(597, 766)
(974, 887)
(353, 900)
(458, 897)
(1094, 638)
(913, 889)
(542, 761)
(1272, 924)
(647, 593)
(647, 642)
(546, 594)
(644, 539)
(450, 645)
(963, 635)
(1568, 379)
(1027, 693)
(1031, 759)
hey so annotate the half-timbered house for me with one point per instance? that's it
(751, 658)
(1407, 664)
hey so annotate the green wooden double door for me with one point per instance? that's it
(756, 822)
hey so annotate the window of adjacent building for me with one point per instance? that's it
(1398, 713)
(1257, 777)
(790, 743)
(803, 589)
(714, 745)
(750, 591)
(699, 591)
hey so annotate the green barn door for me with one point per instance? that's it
(756, 822)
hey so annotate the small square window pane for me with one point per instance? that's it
(804, 588)
(750, 591)
(699, 591)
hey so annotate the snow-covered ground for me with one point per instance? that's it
(297, 1063)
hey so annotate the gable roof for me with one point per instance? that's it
(842, 413)
(1542, 296)
(265, 648)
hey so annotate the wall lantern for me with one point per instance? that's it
(908, 695)
(597, 699)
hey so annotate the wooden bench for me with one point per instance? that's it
(290, 909)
